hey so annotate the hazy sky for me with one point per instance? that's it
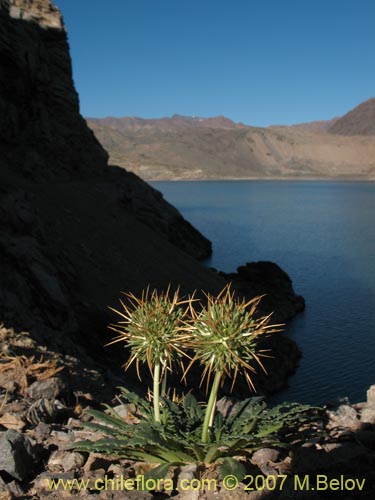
(261, 62)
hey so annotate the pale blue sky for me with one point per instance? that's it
(260, 62)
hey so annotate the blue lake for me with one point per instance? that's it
(322, 233)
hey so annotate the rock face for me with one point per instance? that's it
(75, 232)
(42, 133)
(56, 190)
(268, 279)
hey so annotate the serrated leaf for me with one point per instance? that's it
(104, 429)
(199, 451)
(231, 467)
(269, 429)
(108, 419)
(161, 471)
(250, 426)
(192, 409)
(212, 454)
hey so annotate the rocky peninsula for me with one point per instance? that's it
(76, 231)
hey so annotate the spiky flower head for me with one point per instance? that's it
(151, 326)
(226, 335)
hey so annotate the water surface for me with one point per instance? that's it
(323, 235)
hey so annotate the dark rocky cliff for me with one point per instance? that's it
(66, 217)
(41, 131)
(75, 231)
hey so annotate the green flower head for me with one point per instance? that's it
(226, 334)
(151, 326)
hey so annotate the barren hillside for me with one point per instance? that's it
(359, 121)
(197, 148)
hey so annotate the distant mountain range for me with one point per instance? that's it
(184, 147)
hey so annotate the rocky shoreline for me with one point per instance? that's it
(43, 407)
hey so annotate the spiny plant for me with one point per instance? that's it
(225, 336)
(175, 440)
(151, 328)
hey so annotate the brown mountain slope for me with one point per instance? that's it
(320, 126)
(176, 122)
(189, 149)
(359, 121)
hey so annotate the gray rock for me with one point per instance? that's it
(95, 462)
(225, 406)
(265, 455)
(41, 481)
(344, 416)
(18, 457)
(48, 389)
(115, 469)
(371, 395)
(56, 458)
(258, 278)
(123, 410)
(268, 471)
(15, 489)
(68, 461)
(63, 436)
(42, 431)
(73, 461)
(368, 414)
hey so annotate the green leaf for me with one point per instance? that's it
(199, 451)
(104, 429)
(250, 426)
(212, 454)
(237, 446)
(231, 467)
(161, 471)
(109, 420)
(137, 400)
(269, 429)
(247, 409)
(192, 409)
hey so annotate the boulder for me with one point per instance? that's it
(344, 416)
(264, 456)
(48, 389)
(368, 414)
(371, 395)
(267, 278)
(18, 456)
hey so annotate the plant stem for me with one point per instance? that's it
(156, 392)
(212, 418)
(210, 410)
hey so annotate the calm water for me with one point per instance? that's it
(323, 235)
